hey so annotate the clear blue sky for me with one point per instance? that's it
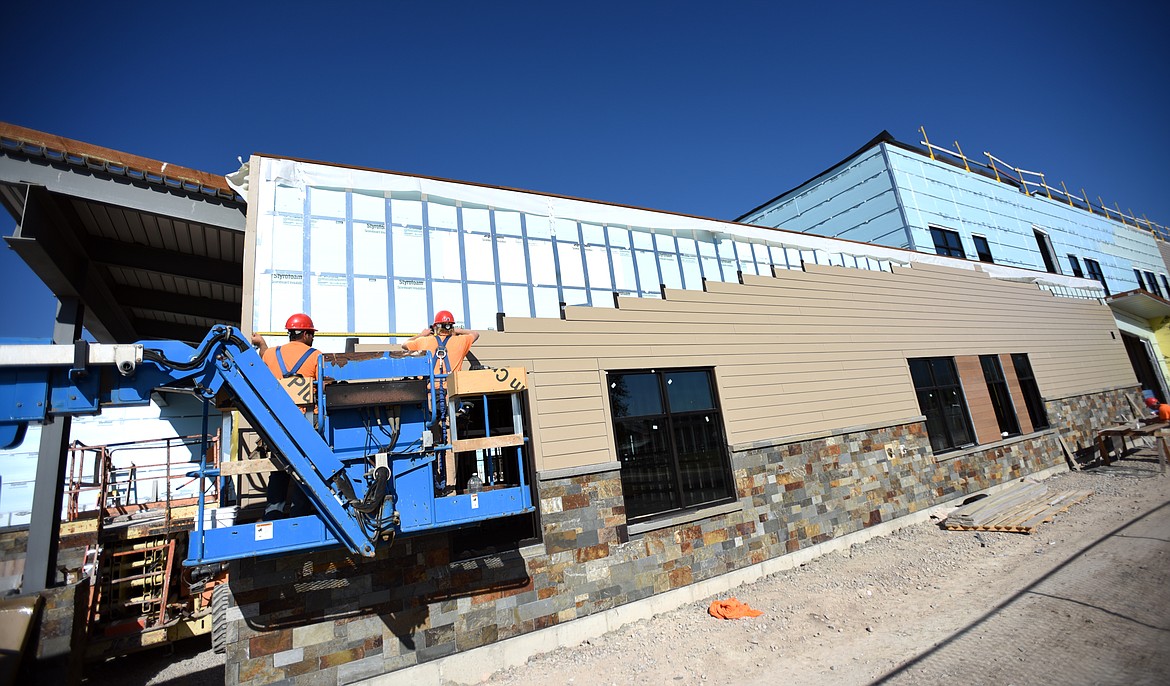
(701, 108)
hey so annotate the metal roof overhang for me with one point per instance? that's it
(1140, 304)
(147, 260)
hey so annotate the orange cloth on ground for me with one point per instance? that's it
(731, 609)
(457, 347)
(1164, 412)
(291, 352)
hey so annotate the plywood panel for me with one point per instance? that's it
(1017, 393)
(982, 412)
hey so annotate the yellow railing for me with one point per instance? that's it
(1034, 182)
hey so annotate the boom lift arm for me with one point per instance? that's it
(357, 494)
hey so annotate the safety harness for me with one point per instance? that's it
(444, 368)
(285, 371)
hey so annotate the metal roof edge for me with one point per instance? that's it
(59, 149)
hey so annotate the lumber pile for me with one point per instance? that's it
(1019, 509)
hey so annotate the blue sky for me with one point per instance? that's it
(689, 107)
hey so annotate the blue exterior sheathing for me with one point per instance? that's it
(938, 194)
(854, 201)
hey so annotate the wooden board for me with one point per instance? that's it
(1027, 516)
(237, 467)
(477, 381)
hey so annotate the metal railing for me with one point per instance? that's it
(1033, 182)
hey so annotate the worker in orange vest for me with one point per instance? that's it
(298, 357)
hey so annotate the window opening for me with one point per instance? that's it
(1166, 285)
(1093, 269)
(1076, 266)
(982, 249)
(1152, 284)
(947, 242)
(669, 436)
(1046, 251)
(940, 398)
(1141, 284)
(1001, 397)
(1032, 398)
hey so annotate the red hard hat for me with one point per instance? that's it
(1151, 402)
(300, 322)
(444, 317)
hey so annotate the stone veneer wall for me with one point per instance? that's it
(329, 618)
(13, 548)
(1079, 417)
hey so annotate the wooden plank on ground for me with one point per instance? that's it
(1024, 517)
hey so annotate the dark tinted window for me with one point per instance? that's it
(1001, 398)
(1152, 284)
(1093, 270)
(634, 395)
(670, 440)
(1030, 390)
(940, 397)
(1076, 266)
(947, 242)
(982, 249)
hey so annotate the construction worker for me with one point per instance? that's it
(443, 336)
(450, 346)
(295, 358)
(298, 357)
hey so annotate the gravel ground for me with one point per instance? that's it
(1081, 601)
(1086, 599)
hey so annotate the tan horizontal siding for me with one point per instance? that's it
(802, 351)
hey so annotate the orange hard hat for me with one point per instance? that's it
(444, 317)
(300, 322)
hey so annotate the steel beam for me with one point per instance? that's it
(44, 530)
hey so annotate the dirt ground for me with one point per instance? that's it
(1084, 600)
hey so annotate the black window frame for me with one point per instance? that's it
(1152, 283)
(982, 248)
(947, 242)
(1076, 266)
(1032, 398)
(1001, 396)
(681, 500)
(1166, 284)
(1047, 251)
(1141, 282)
(930, 397)
(1093, 271)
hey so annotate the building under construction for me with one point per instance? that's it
(705, 402)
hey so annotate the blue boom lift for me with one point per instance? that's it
(368, 462)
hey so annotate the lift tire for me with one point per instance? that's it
(220, 599)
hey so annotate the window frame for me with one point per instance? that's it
(1141, 282)
(1047, 251)
(1033, 400)
(1093, 271)
(1152, 283)
(669, 416)
(1076, 266)
(982, 252)
(1001, 396)
(945, 249)
(943, 431)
